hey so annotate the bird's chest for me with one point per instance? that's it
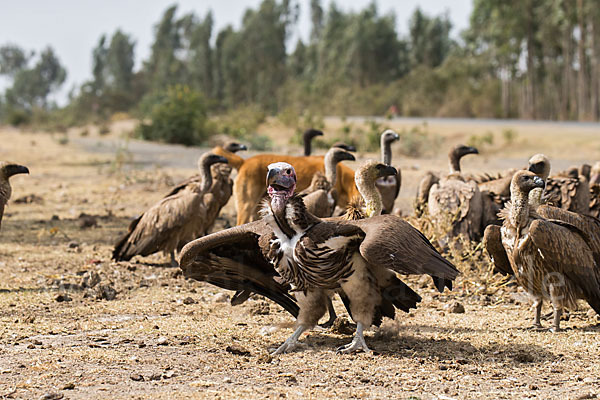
(522, 256)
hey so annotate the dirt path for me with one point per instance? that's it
(165, 337)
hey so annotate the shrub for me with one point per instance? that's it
(178, 115)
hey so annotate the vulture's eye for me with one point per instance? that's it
(288, 171)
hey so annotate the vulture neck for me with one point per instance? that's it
(519, 214)
(307, 146)
(290, 215)
(535, 198)
(371, 196)
(206, 178)
(233, 159)
(278, 209)
(454, 160)
(330, 168)
(386, 152)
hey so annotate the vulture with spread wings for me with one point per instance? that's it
(299, 261)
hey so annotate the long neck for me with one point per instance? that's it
(454, 160)
(233, 159)
(386, 152)
(519, 214)
(535, 198)
(371, 196)
(330, 168)
(206, 177)
(278, 208)
(307, 145)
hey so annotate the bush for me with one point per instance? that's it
(178, 115)
(18, 117)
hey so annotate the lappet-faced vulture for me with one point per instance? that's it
(551, 252)
(8, 169)
(316, 258)
(174, 220)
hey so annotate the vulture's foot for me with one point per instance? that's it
(291, 343)
(565, 316)
(174, 262)
(357, 344)
(556, 329)
(537, 327)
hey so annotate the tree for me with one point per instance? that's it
(12, 59)
(120, 61)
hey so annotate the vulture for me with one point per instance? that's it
(595, 190)
(389, 187)
(291, 251)
(174, 220)
(8, 169)
(551, 252)
(432, 178)
(307, 138)
(457, 201)
(218, 170)
(320, 197)
(567, 192)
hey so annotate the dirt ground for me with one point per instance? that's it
(63, 336)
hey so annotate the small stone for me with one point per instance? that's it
(31, 346)
(162, 341)
(220, 298)
(265, 358)
(55, 218)
(69, 386)
(227, 380)
(456, 308)
(237, 350)
(169, 374)
(533, 386)
(90, 279)
(29, 320)
(87, 221)
(106, 292)
(73, 245)
(37, 342)
(189, 300)
(52, 396)
(136, 377)
(63, 297)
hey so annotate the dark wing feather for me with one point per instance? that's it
(587, 225)
(393, 243)
(233, 259)
(492, 240)
(195, 179)
(565, 247)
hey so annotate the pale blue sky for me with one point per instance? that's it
(72, 27)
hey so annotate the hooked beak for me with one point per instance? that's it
(539, 182)
(536, 168)
(472, 150)
(347, 156)
(386, 170)
(14, 169)
(280, 180)
(242, 147)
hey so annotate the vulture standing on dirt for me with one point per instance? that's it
(389, 187)
(551, 252)
(358, 259)
(455, 201)
(320, 197)
(8, 169)
(571, 193)
(174, 220)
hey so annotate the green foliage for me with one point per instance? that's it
(178, 116)
(418, 141)
(481, 141)
(17, 116)
(509, 136)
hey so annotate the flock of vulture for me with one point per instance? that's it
(309, 228)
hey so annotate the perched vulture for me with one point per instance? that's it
(320, 197)
(389, 187)
(432, 178)
(8, 169)
(218, 170)
(551, 252)
(571, 193)
(289, 246)
(307, 138)
(456, 202)
(174, 220)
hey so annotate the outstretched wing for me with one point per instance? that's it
(492, 240)
(393, 243)
(233, 259)
(564, 247)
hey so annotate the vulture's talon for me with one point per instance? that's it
(288, 346)
(353, 347)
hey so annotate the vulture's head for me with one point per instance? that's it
(344, 146)
(8, 169)
(337, 154)
(459, 151)
(370, 171)
(234, 147)
(309, 134)
(585, 170)
(281, 181)
(595, 174)
(207, 159)
(540, 165)
(388, 137)
(525, 181)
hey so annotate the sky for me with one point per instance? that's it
(73, 27)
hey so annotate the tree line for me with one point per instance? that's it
(534, 59)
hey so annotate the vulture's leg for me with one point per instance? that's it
(358, 343)
(312, 307)
(332, 315)
(555, 297)
(537, 303)
(174, 262)
(292, 342)
(556, 323)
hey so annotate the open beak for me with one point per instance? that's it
(14, 169)
(280, 179)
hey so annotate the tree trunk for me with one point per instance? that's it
(595, 84)
(531, 72)
(582, 79)
(565, 109)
